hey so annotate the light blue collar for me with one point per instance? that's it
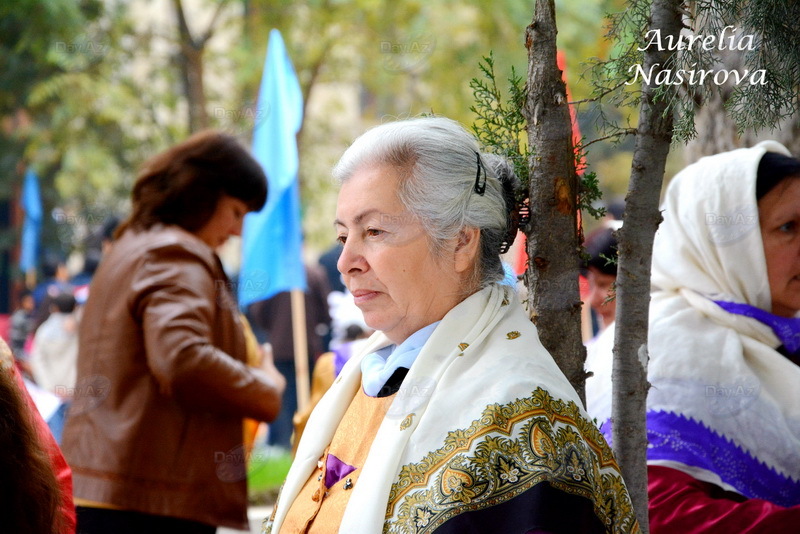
(378, 367)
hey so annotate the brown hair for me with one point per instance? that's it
(30, 497)
(182, 185)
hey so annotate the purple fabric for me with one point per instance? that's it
(605, 429)
(786, 328)
(674, 437)
(340, 357)
(336, 470)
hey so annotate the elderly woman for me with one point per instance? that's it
(724, 408)
(154, 435)
(453, 418)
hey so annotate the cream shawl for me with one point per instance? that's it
(483, 368)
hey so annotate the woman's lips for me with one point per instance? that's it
(361, 296)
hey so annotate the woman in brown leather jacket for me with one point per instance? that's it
(154, 436)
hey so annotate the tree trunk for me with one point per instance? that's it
(190, 61)
(642, 216)
(552, 275)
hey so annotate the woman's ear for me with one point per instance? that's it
(467, 248)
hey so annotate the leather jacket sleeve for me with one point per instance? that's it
(178, 300)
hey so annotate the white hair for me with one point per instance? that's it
(439, 161)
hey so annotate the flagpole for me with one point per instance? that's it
(300, 348)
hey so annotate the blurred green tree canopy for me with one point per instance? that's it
(90, 89)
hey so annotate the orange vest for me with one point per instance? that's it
(319, 508)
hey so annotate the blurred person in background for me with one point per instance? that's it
(601, 274)
(155, 432)
(54, 353)
(35, 481)
(328, 260)
(21, 328)
(55, 277)
(91, 260)
(56, 281)
(107, 231)
(97, 244)
(54, 357)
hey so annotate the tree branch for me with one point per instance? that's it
(626, 131)
(600, 96)
(211, 25)
(183, 26)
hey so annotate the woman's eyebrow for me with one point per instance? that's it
(357, 219)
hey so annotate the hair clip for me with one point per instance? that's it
(518, 217)
(480, 188)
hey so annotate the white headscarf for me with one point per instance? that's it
(724, 404)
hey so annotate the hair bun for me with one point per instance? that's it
(518, 212)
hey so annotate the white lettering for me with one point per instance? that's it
(655, 39)
(717, 74)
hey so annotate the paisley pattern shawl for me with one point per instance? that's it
(483, 415)
(506, 452)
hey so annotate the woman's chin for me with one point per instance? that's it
(375, 322)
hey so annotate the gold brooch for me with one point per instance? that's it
(407, 421)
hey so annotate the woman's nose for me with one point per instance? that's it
(236, 229)
(351, 259)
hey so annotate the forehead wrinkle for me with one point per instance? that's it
(358, 218)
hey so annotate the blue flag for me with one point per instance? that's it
(272, 238)
(32, 225)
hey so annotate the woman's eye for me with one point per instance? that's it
(341, 239)
(788, 227)
(374, 232)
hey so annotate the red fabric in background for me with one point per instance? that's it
(5, 327)
(681, 504)
(60, 468)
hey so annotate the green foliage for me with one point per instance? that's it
(590, 194)
(625, 31)
(32, 33)
(361, 62)
(580, 37)
(89, 120)
(28, 29)
(100, 83)
(500, 126)
(775, 49)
